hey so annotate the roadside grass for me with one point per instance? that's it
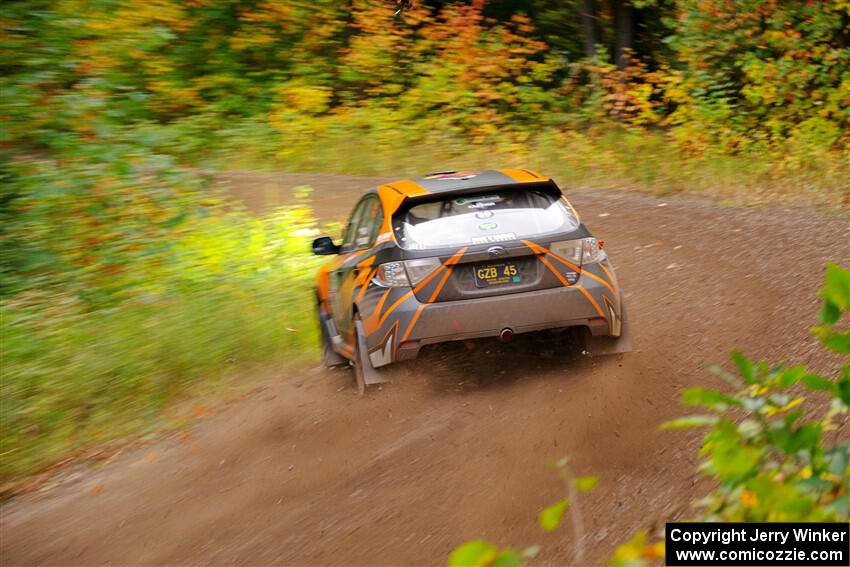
(238, 291)
(605, 157)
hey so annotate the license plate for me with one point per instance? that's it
(496, 274)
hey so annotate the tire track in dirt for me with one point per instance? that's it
(304, 472)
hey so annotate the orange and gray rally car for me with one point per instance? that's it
(462, 255)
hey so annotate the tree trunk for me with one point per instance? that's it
(588, 22)
(624, 27)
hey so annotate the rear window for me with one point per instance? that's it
(494, 216)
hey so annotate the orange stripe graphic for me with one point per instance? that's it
(456, 257)
(413, 322)
(597, 278)
(553, 270)
(542, 252)
(365, 285)
(393, 306)
(592, 301)
(611, 278)
(381, 303)
(534, 247)
(450, 264)
(570, 265)
(354, 255)
(367, 262)
(537, 248)
(431, 276)
(540, 249)
(440, 285)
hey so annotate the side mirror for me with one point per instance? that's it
(324, 246)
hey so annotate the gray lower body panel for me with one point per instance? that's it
(487, 317)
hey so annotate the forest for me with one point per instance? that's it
(116, 115)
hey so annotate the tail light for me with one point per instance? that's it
(580, 251)
(405, 274)
(391, 274)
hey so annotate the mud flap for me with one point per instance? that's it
(370, 375)
(601, 346)
(330, 357)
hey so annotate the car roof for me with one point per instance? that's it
(449, 181)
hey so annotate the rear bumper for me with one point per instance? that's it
(424, 324)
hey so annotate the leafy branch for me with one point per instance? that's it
(481, 553)
(766, 442)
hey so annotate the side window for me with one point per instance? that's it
(370, 224)
(377, 220)
(364, 225)
(348, 236)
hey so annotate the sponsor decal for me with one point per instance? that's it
(488, 226)
(504, 237)
(479, 201)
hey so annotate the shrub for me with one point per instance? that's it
(774, 455)
(226, 291)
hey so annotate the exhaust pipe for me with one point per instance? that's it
(506, 334)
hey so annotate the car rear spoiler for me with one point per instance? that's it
(547, 186)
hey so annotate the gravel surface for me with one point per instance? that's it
(303, 472)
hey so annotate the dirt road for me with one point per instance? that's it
(303, 472)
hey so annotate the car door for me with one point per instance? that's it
(359, 236)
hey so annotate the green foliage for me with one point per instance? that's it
(778, 71)
(551, 516)
(586, 483)
(715, 82)
(451, 81)
(226, 291)
(479, 553)
(774, 458)
(125, 279)
(836, 296)
(638, 552)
